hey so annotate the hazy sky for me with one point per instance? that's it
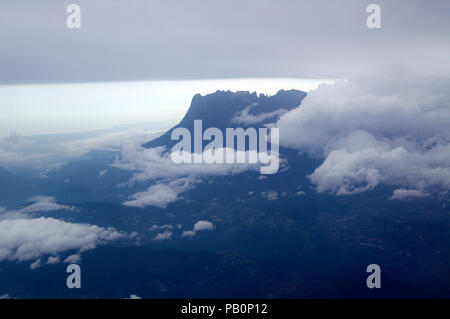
(59, 108)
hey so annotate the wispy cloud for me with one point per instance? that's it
(164, 235)
(245, 118)
(201, 225)
(155, 164)
(47, 154)
(404, 194)
(28, 239)
(160, 195)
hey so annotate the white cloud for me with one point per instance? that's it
(245, 118)
(270, 195)
(390, 129)
(102, 173)
(156, 227)
(28, 239)
(24, 237)
(108, 142)
(5, 296)
(44, 204)
(53, 260)
(404, 194)
(73, 259)
(40, 204)
(188, 233)
(133, 296)
(36, 264)
(159, 195)
(155, 164)
(48, 155)
(164, 236)
(349, 171)
(203, 225)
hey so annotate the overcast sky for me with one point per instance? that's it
(123, 40)
(73, 107)
(147, 42)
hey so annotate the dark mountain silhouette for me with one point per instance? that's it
(220, 108)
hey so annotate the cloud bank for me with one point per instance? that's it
(245, 118)
(28, 239)
(155, 165)
(391, 129)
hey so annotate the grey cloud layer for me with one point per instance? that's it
(123, 40)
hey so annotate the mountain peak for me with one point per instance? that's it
(224, 109)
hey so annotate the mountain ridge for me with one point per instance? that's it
(218, 109)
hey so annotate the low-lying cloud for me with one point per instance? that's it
(159, 195)
(48, 154)
(45, 204)
(203, 225)
(244, 117)
(26, 237)
(155, 164)
(164, 235)
(405, 194)
(29, 239)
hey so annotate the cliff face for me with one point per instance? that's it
(224, 109)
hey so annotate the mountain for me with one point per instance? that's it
(8, 179)
(319, 241)
(220, 108)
